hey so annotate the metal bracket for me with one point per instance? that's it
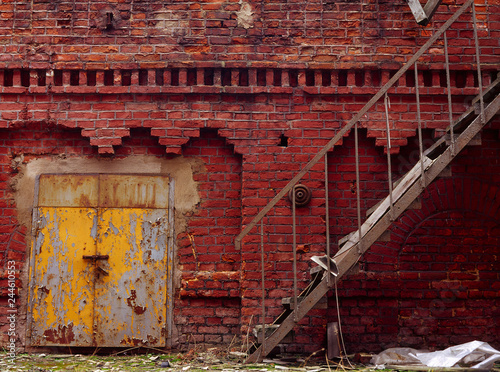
(323, 262)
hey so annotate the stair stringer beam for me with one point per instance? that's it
(345, 259)
(289, 322)
(348, 258)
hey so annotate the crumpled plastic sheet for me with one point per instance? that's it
(477, 352)
(398, 356)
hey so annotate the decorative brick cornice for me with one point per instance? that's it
(106, 104)
(231, 79)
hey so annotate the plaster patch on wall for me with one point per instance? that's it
(245, 16)
(171, 23)
(179, 169)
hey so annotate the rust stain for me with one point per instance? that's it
(131, 302)
(84, 201)
(133, 341)
(152, 340)
(133, 191)
(61, 335)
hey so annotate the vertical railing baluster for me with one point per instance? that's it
(419, 121)
(263, 343)
(389, 168)
(358, 200)
(294, 245)
(479, 75)
(448, 87)
(327, 220)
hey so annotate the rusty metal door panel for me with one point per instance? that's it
(68, 190)
(131, 286)
(62, 299)
(99, 275)
(129, 191)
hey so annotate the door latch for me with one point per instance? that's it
(96, 257)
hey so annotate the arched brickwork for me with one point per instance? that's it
(208, 309)
(449, 278)
(447, 265)
(435, 284)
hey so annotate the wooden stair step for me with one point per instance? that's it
(418, 12)
(475, 141)
(385, 237)
(343, 240)
(315, 270)
(446, 173)
(417, 204)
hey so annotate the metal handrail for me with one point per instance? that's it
(351, 123)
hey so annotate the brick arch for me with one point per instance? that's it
(450, 194)
(447, 268)
(386, 304)
(208, 308)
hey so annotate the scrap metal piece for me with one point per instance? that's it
(323, 262)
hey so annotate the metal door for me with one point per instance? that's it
(131, 291)
(99, 272)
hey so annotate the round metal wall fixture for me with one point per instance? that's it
(302, 195)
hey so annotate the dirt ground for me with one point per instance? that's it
(212, 359)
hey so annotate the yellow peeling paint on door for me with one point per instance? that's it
(98, 275)
(130, 295)
(64, 289)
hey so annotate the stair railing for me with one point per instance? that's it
(353, 123)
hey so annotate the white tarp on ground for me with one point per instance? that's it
(469, 353)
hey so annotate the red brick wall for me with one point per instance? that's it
(229, 182)
(71, 34)
(208, 309)
(193, 79)
(435, 283)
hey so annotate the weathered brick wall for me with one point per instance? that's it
(436, 282)
(322, 100)
(232, 186)
(99, 34)
(253, 90)
(209, 306)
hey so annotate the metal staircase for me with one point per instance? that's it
(401, 194)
